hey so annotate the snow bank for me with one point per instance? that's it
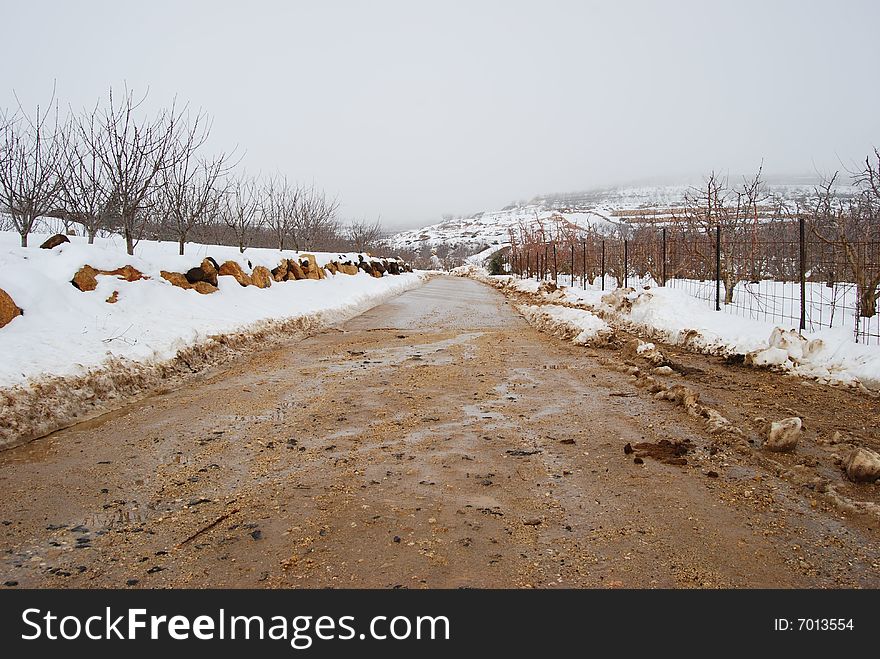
(670, 315)
(581, 326)
(111, 350)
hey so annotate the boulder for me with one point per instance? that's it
(348, 268)
(332, 267)
(232, 269)
(176, 279)
(53, 241)
(261, 277)
(407, 267)
(294, 271)
(379, 266)
(211, 269)
(393, 267)
(126, 273)
(862, 465)
(85, 279)
(310, 266)
(113, 299)
(197, 274)
(280, 273)
(8, 309)
(204, 288)
(784, 435)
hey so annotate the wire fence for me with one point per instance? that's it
(780, 272)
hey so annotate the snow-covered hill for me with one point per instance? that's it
(601, 209)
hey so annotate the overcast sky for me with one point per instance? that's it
(413, 109)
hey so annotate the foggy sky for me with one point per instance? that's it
(413, 109)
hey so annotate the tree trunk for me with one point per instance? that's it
(867, 300)
(92, 233)
(181, 243)
(24, 240)
(129, 243)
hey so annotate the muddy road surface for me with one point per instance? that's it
(435, 441)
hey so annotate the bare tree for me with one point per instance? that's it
(30, 150)
(363, 235)
(134, 151)
(279, 200)
(86, 192)
(188, 184)
(240, 210)
(852, 227)
(314, 219)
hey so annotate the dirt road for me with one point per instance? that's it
(435, 441)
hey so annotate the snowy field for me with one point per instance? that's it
(65, 331)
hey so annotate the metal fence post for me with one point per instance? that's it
(555, 267)
(603, 265)
(584, 271)
(571, 266)
(717, 267)
(544, 269)
(663, 256)
(625, 263)
(803, 271)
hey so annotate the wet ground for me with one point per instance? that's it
(435, 441)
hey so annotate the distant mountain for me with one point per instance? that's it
(601, 209)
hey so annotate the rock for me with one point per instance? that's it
(113, 299)
(712, 474)
(257, 534)
(211, 269)
(261, 277)
(627, 448)
(639, 461)
(294, 271)
(310, 267)
(280, 273)
(348, 268)
(783, 435)
(8, 309)
(204, 288)
(194, 275)
(532, 521)
(332, 267)
(176, 279)
(85, 279)
(53, 241)
(663, 370)
(232, 269)
(396, 539)
(126, 273)
(862, 465)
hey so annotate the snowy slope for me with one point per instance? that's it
(601, 209)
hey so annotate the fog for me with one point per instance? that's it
(408, 110)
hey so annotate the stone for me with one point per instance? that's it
(280, 273)
(113, 299)
(232, 269)
(310, 267)
(176, 279)
(211, 269)
(862, 465)
(9, 311)
(784, 435)
(204, 288)
(261, 277)
(196, 274)
(294, 271)
(85, 278)
(53, 241)
(126, 273)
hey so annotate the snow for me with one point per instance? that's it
(565, 320)
(65, 331)
(672, 316)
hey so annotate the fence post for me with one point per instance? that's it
(571, 266)
(584, 271)
(555, 268)
(717, 267)
(544, 269)
(664, 257)
(625, 263)
(603, 265)
(803, 271)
